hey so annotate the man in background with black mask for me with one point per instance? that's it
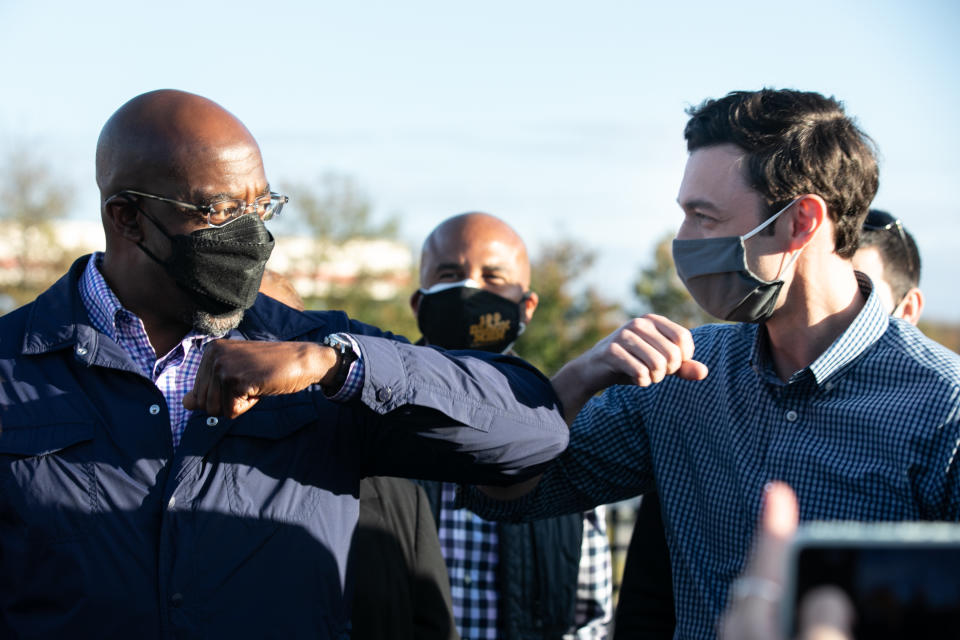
(157, 481)
(545, 579)
(811, 384)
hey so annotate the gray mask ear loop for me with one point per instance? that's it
(763, 225)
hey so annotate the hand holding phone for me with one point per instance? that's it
(753, 612)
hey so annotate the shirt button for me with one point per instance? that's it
(176, 599)
(212, 422)
(791, 416)
(467, 580)
(384, 394)
(154, 409)
(172, 503)
(828, 386)
(81, 351)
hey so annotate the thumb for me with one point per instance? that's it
(241, 405)
(692, 370)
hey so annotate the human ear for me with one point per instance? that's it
(809, 215)
(415, 298)
(120, 217)
(911, 306)
(529, 302)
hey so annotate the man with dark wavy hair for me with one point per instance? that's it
(807, 384)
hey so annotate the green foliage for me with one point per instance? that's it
(338, 210)
(391, 314)
(659, 290)
(568, 321)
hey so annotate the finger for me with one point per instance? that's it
(778, 523)
(198, 395)
(629, 367)
(643, 349)
(677, 334)
(661, 351)
(755, 595)
(213, 404)
(190, 401)
(692, 370)
(241, 405)
(826, 613)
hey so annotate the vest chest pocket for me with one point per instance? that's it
(48, 478)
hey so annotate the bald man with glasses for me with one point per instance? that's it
(181, 456)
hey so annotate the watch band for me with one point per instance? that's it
(346, 356)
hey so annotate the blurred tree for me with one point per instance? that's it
(568, 320)
(336, 211)
(659, 289)
(32, 198)
(946, 334)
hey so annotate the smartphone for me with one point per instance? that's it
(903, 578)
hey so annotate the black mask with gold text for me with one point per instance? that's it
(456, 316)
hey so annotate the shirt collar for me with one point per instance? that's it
(101, 303)
(105, 309)
(865, 330)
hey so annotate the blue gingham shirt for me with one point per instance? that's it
(470, 548)
(869, 431)
(175, 372)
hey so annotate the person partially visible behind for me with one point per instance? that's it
(888, 254)
(401, 590)
(545, 579)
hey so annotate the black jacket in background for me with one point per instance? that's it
(645, 608)
(402, 591)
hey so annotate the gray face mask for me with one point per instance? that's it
(716, 274)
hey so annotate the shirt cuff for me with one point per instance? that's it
(355, 374)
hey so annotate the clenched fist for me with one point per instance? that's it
(235, 374)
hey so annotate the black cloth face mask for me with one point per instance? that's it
(220, 268)
(459, 315)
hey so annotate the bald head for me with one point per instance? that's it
(170, 145)
(474, 245)
(482, 248)
(163, 136)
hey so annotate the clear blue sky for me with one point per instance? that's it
(563, 118)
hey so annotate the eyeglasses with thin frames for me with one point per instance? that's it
(221, 212)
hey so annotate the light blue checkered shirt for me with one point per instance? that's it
(869, 431)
